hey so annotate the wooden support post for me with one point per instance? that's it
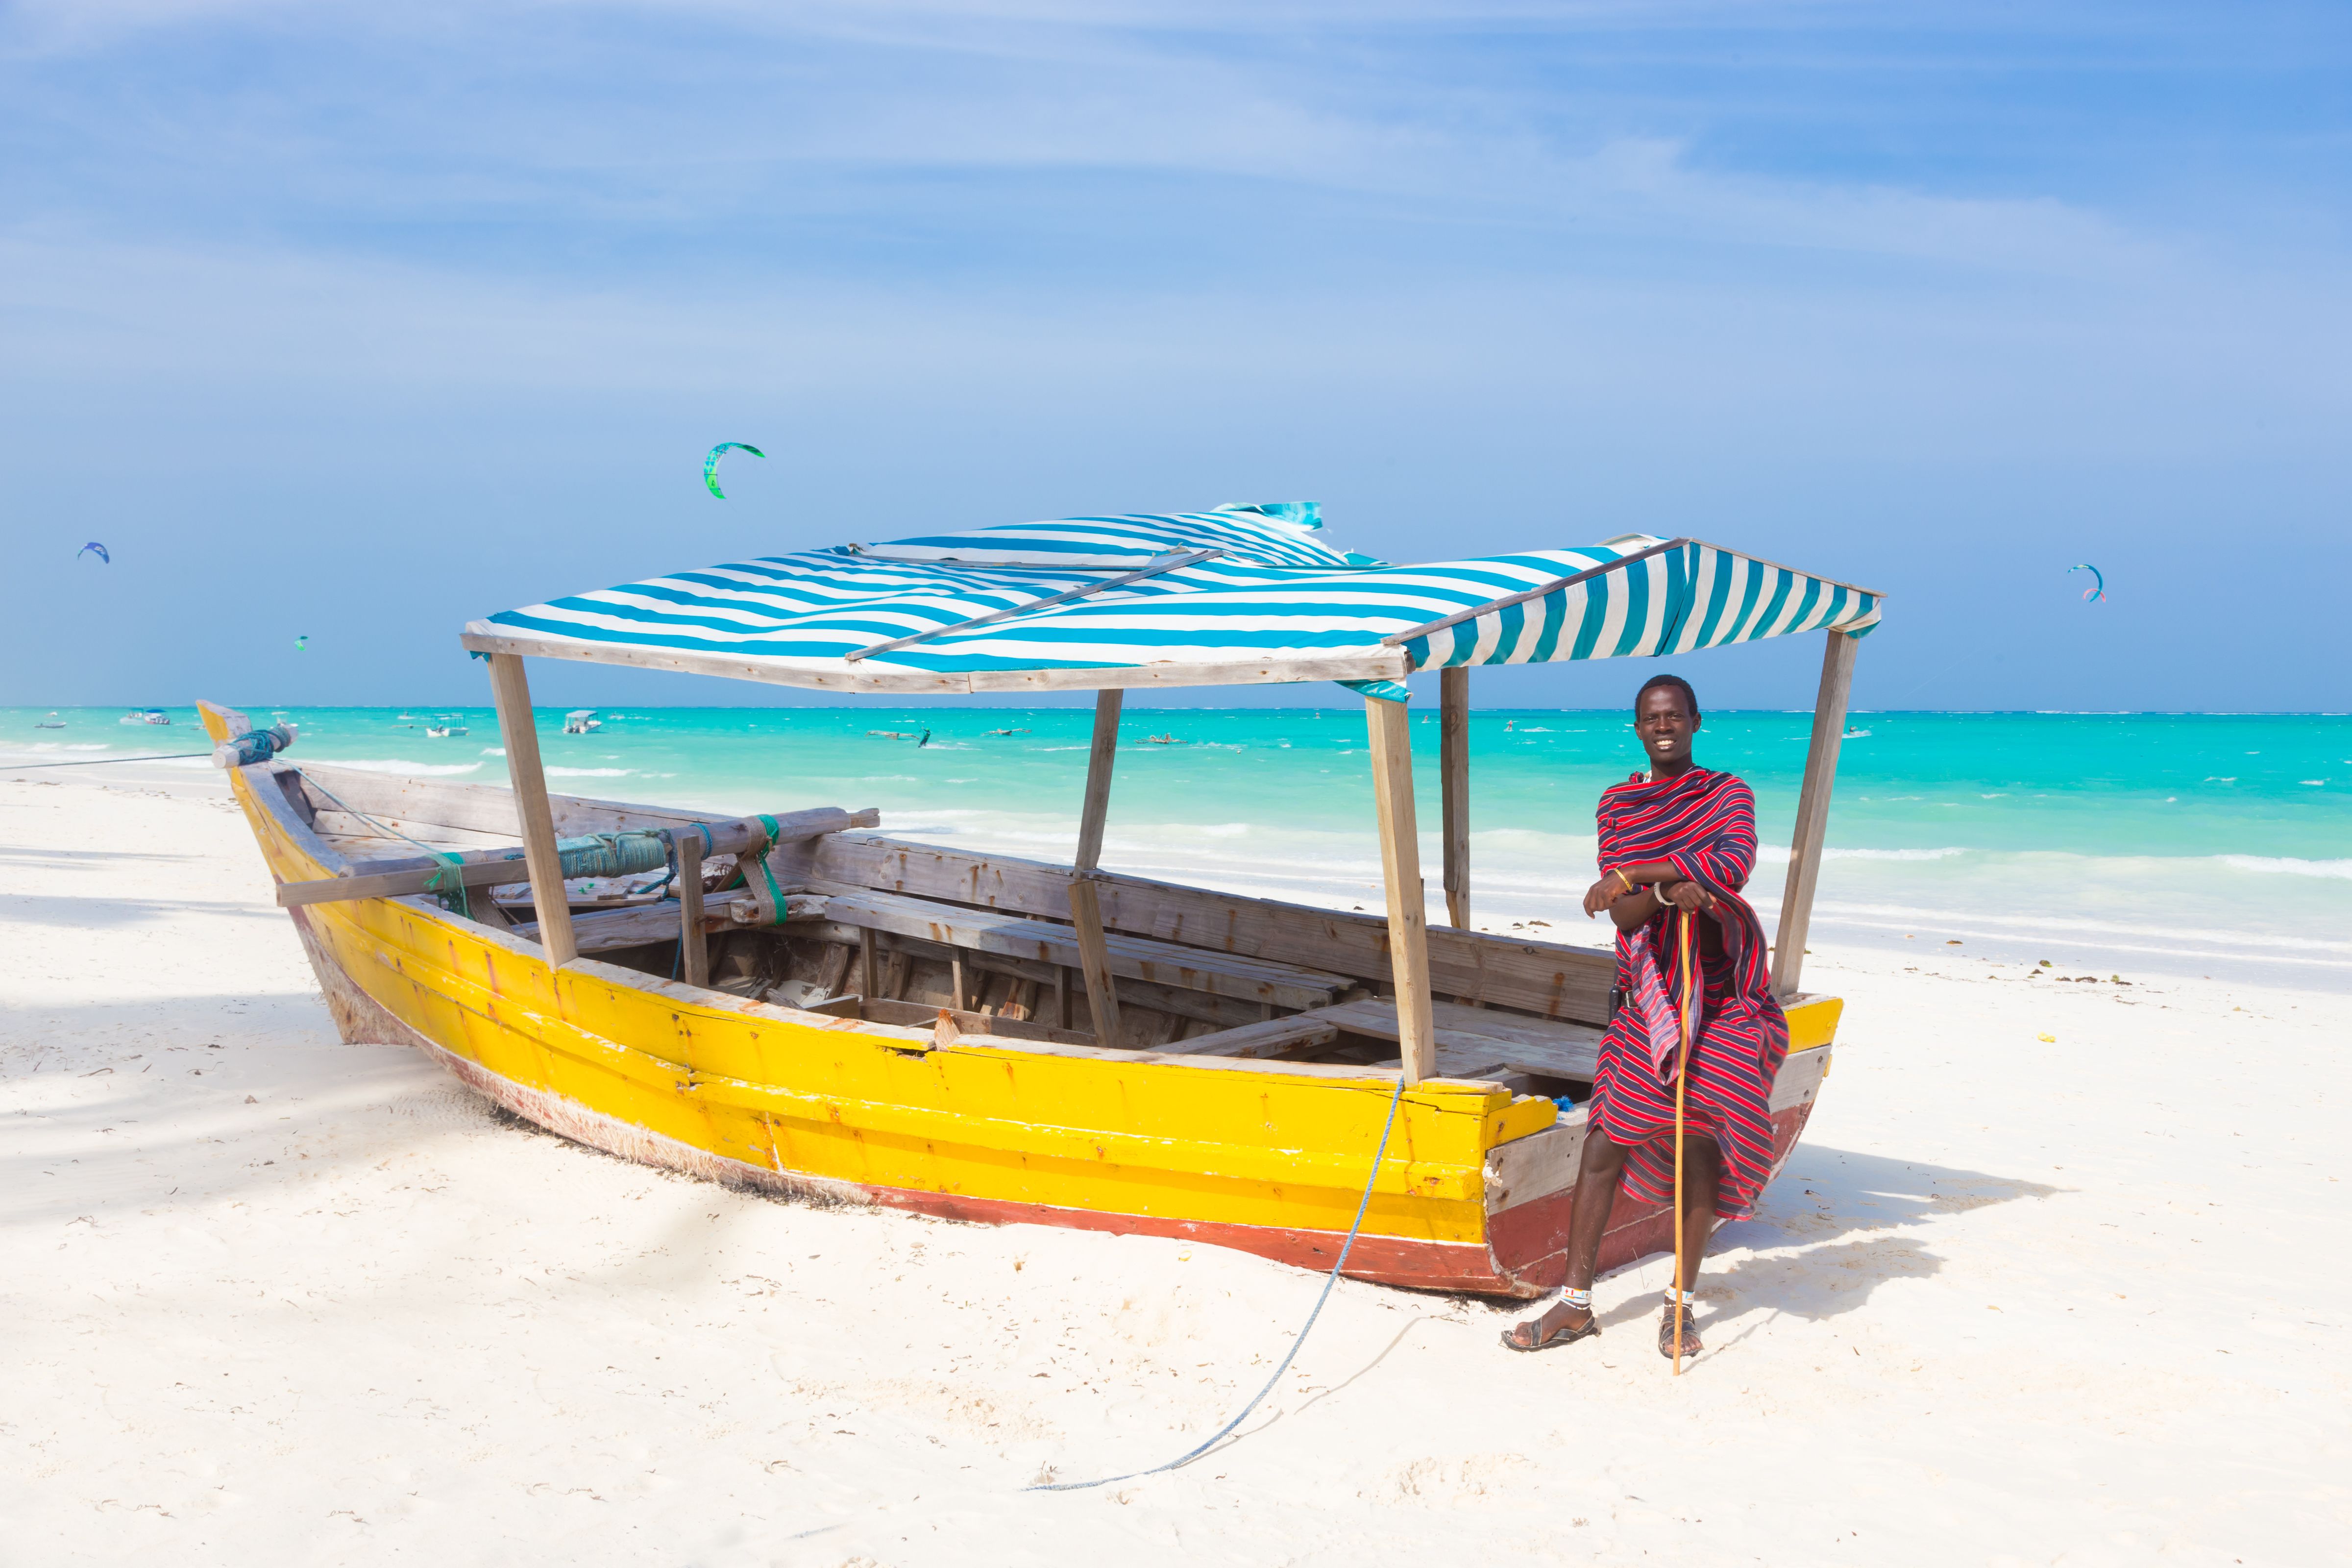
(955, 981)
(512, 690)
(869, 983)
(1453, 770)
(697, 949)
(1085, 906)
(1391, 732)
(1812, 814)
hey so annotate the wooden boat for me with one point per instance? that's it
(886, 1022)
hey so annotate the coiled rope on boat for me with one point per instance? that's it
(1330, 1279)
(613, 854)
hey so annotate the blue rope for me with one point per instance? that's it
(669, 845)
(1330, 1280)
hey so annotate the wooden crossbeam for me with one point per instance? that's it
(500, 868)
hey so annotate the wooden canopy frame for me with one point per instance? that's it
(1392, 754)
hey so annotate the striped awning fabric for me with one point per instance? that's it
(1239, 595)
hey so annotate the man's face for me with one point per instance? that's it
(1664, 723)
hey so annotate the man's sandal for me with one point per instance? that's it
(1691, 1345)
(1563, 1335)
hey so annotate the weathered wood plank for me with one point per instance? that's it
(1479, 1039)
(498, 867)
(1453, 771)
(835, 967)
(393, 833)
(695, 957)
(1086, 904)
(641, 923)
(512, 689)
(1265, 1037)
(1544, 978)
(1538, 1166)
(1391, 734)
(983, 931)
(1813, 813)
(1202, 1006)
(484, 808)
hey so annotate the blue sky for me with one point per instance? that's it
(360, 322)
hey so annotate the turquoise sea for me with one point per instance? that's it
(2204, 844)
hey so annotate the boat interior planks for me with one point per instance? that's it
(978, 937)
(1542, 978)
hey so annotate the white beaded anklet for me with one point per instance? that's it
(1579, 1300)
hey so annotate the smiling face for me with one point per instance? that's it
(1664, 720)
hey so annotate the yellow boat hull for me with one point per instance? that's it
(1271, 1157)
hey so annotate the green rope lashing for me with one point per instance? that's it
(775, 894)
(454, 900)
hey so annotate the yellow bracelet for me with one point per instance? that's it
(1618, 871)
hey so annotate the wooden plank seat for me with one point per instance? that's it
(1231, 975)
(1550, 979)
(1472, 1042)
(663, 921)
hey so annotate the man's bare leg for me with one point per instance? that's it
(1597, 1180)
(1702, 1176)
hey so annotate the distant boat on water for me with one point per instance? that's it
(580, 720)
(144, 716)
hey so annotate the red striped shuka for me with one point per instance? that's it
(1704, 824)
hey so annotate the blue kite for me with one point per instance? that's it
(2093, 595)
(94, 546)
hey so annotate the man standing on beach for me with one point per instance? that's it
(1677, 845)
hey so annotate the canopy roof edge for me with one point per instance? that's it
(1382, 664)
(1245, 595)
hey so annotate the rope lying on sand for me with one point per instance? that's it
(1330, 1279)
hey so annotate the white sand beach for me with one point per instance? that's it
(272, 1298)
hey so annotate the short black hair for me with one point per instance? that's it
(1657, 680)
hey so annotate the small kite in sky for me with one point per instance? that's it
(94, 547)
(2095, 595)
(710, 463)
(302, 643)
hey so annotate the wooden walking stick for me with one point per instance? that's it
(1681, 1083)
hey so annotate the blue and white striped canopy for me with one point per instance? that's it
(1274, 603)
